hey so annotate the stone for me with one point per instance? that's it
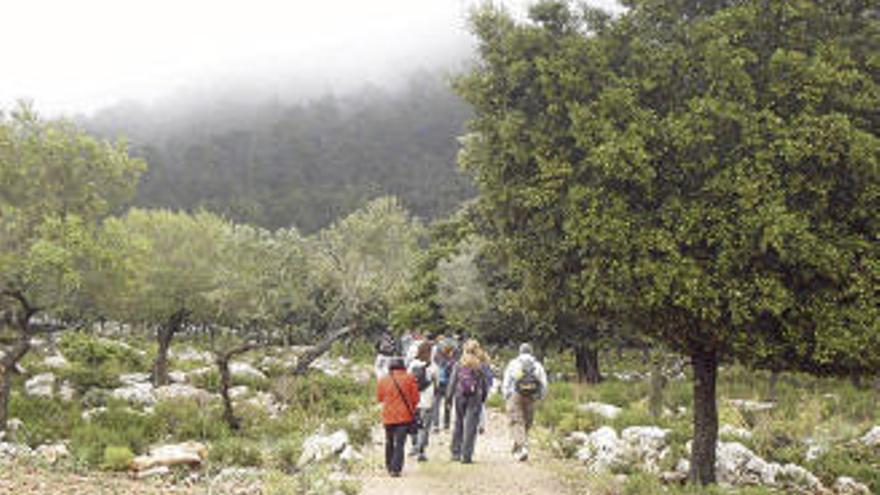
(872, 437)
(673, 477)
(848, 486)
(239, 392)
(736, 464)
(349, 455)
(181, 391)
(794, 476)
(14, 424)
(88, 414)
(734, 432)
(14, 450)
(56, 361)
(318, 447)
(42, 385)
(190, 354)
(136, 393)
(244, 370)
(645, 446)
(603, 451)
(177, 377)
(579, 437)
(152, 472)
(751, 405)
(51, 453)
(188, 453)
(607, 411)
(134, 378)
(265, 401)
(66, 392)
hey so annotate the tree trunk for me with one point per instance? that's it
(222, 361)
(705, 367)
(7, 368)
(164, 335)
(302, 364)
(774, 381)
(586, 360)
(658, 383)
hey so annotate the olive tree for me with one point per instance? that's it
(56, 184)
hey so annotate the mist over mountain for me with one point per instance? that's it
(277, 163)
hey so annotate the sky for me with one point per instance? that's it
(72, 57)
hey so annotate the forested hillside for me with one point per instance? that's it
(277, 164)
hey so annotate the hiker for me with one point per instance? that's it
(467, 386)
(425, 372)
(386, 348)
(399, 394)
(525, 383)
(445, 355)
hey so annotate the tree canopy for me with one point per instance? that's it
(707, 168)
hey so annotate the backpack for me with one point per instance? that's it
(444, 367)
(421, 373)
(527, 384)
(469, 381)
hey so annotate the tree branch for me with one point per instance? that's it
(302, 364)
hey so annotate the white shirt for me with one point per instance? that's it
(514, 371)
(426, 397)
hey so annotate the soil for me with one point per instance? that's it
(494, 471)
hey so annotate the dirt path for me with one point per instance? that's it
(494, 472)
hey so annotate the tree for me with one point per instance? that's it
(365, 261)
(56, 183)
(175, 256)
(706, 170)
(462, 295)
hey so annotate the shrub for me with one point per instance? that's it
(323, 395)
(117, 458)
(85, 377)
(856, 461)
(45, 419)
(118, 426)
(90, 351)
(236, 452)
(286, 453)
(186, 419)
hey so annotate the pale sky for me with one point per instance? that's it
(72, 56)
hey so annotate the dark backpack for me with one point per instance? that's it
(420, 371)
(469, 381)
(528, 384)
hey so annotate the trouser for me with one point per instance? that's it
(424, 431)
(521, 413)
(467, 420)
(395, 439)
(440, 400)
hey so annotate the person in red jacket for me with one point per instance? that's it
(398, 392)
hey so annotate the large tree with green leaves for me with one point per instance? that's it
(174, 258)
(56, 184)
(707, 169)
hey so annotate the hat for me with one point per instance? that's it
(396, 363)
(525, 348)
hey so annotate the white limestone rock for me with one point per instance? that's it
(645, 447)
(181, 391)
(42, 385)
(134, 378)
(751, 405)
(872, 437)
(56, 361)
(240, 369)
(734, 432)
(607, 411)
(603, 451)
(319, 447)
(136, 393)
(239, 392)
(188, 453)
(848, 486)
(51, 453)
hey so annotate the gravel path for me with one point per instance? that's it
(494, 472)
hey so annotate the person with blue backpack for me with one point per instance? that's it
(443, 356)
(468, 388)
(525, 383)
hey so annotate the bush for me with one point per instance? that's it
(236, 452)
(118, 426)
(286, 453)
(185, 419)
(87, 377)
(117, 458)
(90, 351)
(45, 419)
(323, 395)
(856, 461)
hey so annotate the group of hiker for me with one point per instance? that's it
(422, 380)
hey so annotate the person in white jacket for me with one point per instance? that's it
(525, 383)
(422, 359)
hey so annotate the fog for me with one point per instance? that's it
(77, 57)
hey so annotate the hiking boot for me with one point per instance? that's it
(456, 458)
(423, 458)
(395, 474)
(467, 461)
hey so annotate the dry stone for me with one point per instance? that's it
(319, 447)
(188, 453)
(42, 385)
(607, 411)
(136, 393)
(848, 486)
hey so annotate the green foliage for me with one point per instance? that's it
(185, 420)
(45, 419)
(118, 426)
(324, 396)
(856, 461)
(236, 452)
(117, 458)
(286, 453)
(91, 351)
